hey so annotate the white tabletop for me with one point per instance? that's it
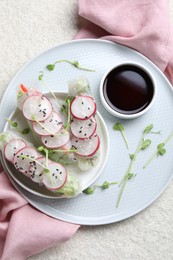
(28, 28)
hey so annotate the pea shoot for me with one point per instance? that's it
(119, 127)
(143, 145)
(89, 190)
(46, 151)
(51, 151)
(65, 108)
(15, 126)
(75, 63)
(160, 150)
(105, 185)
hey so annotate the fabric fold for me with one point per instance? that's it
(141, 25)
(25, 231)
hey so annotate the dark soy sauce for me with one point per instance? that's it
(128, 89)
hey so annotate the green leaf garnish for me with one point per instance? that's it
(40, 76)
(105, 185)
(46, 170)
(148, 129)
(50, 67)
(15, 125)
(89, 190)
(119, 127)
(145, 144)
(160, 149)
(66, 109)
(130, 176)
(25, 131)
(63, 108)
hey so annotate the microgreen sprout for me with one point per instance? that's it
(159, 151)
(76, 64)
(46, 151)
(3, 137)
(143, 145)
(105, 185)
(119, 127)
(68, 102)
(15, 125)
(71, 150)
(63, 108)
(25, 131)
(66, 109)
(89, 190)
(40, 76)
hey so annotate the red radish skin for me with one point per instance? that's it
(56, 178)
(38, 107)
(83, 129)
(52, 125)
(21, 164)
(87, 147)
(12, 148)
(82, 107)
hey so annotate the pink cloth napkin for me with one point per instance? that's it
(143, 25)
(25, 231)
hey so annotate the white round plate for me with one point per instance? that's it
(100, 207)
(86, 178)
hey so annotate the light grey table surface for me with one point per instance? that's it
(28, 28)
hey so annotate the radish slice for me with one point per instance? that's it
(86, 147)
(83, 128)
(50, 126)
(38, 107)
(56, 177)
(22, 164)
(83, 107)
(23, 93)
(57, 140)
(66, 146)
(12, 148)
(36, 170)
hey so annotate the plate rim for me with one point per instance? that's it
(143, 57)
